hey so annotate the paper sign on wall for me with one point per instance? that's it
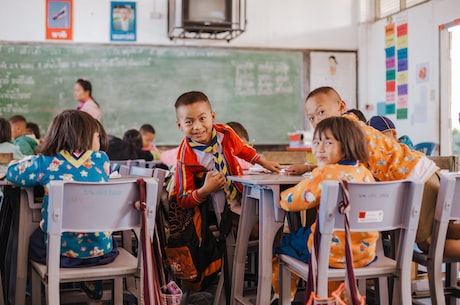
(59, 19)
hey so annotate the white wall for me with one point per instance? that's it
(423, 110)
(327, 24)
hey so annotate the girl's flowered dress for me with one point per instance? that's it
(307, 194)
(89, 166)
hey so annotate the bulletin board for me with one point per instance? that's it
(337, 69)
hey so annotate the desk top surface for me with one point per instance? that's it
(267, 179)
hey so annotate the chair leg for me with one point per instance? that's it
(383, 292)
(436, 284)
(52, 291)
(36, 288)
(284, 283)
(220, 288)
(118, 290)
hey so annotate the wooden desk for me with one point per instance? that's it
(260, 202)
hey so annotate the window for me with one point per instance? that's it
(388, 7)
(410, 3)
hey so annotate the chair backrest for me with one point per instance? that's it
(141, 171)
(447, 207)
(379, 206)
(94, 207)
(426, 147)
(114, 164)
(449, 163)
(455, 212)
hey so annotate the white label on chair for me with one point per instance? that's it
(370, 216)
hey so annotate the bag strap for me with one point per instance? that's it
(151, 282)
(350, 280)
(344, 208)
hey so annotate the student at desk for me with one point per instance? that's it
(27, 145)
(209, 147)
(387, 127)
(6, 146)
(243, 134)
(69, 152)
(208, 153)
(148, 136)
(341, 152)
(390, 160)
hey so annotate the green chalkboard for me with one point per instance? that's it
(262, 89)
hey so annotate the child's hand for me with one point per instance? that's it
(213, 182)
(270, 165)
(299, 169)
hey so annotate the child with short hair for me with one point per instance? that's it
(33, 131)
(26, 144)
(70, 152)
(6, 146)
(389, 160)
(387, 127)
(148, 134)
(243, 134)
(133, 138)
(341, 153)
(204, 143)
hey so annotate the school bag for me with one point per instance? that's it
(194, 254)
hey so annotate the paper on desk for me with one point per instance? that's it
(114, 175)
(257, 169)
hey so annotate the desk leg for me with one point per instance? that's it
(248, 219)
(268, 229)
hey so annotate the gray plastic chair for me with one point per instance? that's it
(447, 208)
(388, 206)
(78, 207)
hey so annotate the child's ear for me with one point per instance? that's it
(213, 115)
(342, 106)
(178, 125)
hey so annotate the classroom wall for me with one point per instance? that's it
(423, 110)
(327, 24)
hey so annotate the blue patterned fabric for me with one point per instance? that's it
(90, 166)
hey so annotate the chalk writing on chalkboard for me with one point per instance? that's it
(139, 84)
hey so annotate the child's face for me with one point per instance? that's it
(323, 106)
(326, 149)
(195, 121)
(147, 138)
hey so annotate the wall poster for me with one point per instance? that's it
(123, 21)
(59, 19)
(335, 69)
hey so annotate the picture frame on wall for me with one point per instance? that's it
(59, 20)
(123, 21)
